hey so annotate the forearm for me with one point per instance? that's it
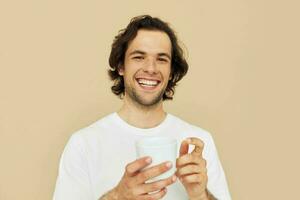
(206, 196)
(110, 195)
(210, 196)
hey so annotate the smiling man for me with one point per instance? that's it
(148, 58)
(99, 161)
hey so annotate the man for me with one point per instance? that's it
(99, 161)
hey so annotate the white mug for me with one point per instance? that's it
(160, 149)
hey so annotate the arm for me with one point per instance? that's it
(111, 195)
(207, 196)
(210, 196)
(208, 178)
(193, 172)
(191, 169)
(73, 177)
(133, 184)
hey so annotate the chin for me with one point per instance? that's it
(148, 102)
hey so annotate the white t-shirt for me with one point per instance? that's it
(95, 157)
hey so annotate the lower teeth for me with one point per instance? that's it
(147, 85)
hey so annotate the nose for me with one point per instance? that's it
(150, 66)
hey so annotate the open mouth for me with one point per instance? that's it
(147, 83)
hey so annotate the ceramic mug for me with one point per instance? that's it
(160, 149)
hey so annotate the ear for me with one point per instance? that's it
(121, 70)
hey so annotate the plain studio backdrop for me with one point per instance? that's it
(242, 86)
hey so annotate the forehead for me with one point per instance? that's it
(151, 41)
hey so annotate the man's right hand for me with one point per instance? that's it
(133, 187)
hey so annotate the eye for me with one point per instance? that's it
(138, 57)
(162, 60)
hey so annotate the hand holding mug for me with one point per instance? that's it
(133, 184)
(191, 169)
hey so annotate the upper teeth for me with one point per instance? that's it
(147, 82)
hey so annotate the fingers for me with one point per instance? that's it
(190, 159)
(154, 196)
(133, 186)
(156, 186)
(194, 178)
(184, 148)
(199, 145)
(190, 169)
(133, 168)
(153, 172)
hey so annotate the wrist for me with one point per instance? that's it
(115, 194)
(111, 195)
(202, 196)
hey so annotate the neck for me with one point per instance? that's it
(142, 116)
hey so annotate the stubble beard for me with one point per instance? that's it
(140, 101)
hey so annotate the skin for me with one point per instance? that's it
(149, 56)
(145, 110)
(191, 169)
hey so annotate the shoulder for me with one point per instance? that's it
(190, 130)
(92, 131)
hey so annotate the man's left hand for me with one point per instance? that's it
(191, 169)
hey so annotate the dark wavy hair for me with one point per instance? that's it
(179, 66)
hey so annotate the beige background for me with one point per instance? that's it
(242, 86)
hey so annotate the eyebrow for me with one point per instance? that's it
(143, 53)
(165, 54)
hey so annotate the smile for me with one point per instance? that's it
(148, 83)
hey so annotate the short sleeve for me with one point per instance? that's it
(217, 183)
(73, 181)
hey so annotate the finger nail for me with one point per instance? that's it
(168, 164)
(174, 178)
(148, 160)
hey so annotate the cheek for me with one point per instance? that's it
(132, 67)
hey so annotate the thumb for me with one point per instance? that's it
(184, 148)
